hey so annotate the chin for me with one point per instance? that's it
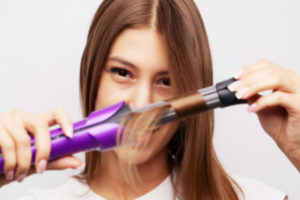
(151, 146)
(134, 156)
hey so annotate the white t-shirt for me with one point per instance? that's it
(75, 190)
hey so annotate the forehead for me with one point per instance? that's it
(141, 47)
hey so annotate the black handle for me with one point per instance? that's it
(227, 97)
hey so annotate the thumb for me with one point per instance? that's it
(64, 163)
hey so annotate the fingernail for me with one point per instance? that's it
(69, 132)
(233, 86)
(10, 175)
(252, 107)
(21, 177)
(41, 166)
(242, 93)
(238, 74)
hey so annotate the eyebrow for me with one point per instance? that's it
(124, 62)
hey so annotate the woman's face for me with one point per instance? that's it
(137, 72)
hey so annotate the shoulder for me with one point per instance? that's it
(257, 190)
(72, 189)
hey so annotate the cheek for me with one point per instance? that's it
(164, 135)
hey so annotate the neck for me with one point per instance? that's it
(110, 183)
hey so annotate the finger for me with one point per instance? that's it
(265, 79)
(64, 163)
(59, 116)
(262, 81)
(244, 71)
(40, 130)
(21, 139)
(14, 128)
(288, 101)
(60, 164)
(8, 153)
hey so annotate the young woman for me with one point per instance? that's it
(143, 51)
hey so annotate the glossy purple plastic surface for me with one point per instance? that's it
(86, 136)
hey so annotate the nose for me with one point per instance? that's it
(141, 95)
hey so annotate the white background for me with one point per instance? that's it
(41, 43)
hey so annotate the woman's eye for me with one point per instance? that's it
(165, 82)
(120, 72)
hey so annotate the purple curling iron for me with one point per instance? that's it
(99, 130)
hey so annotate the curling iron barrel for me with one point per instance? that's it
(99, 131)
(204, 99)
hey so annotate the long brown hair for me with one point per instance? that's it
(199, 174)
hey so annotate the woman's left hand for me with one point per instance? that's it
(278, 112)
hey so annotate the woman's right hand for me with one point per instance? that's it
(15, 130)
